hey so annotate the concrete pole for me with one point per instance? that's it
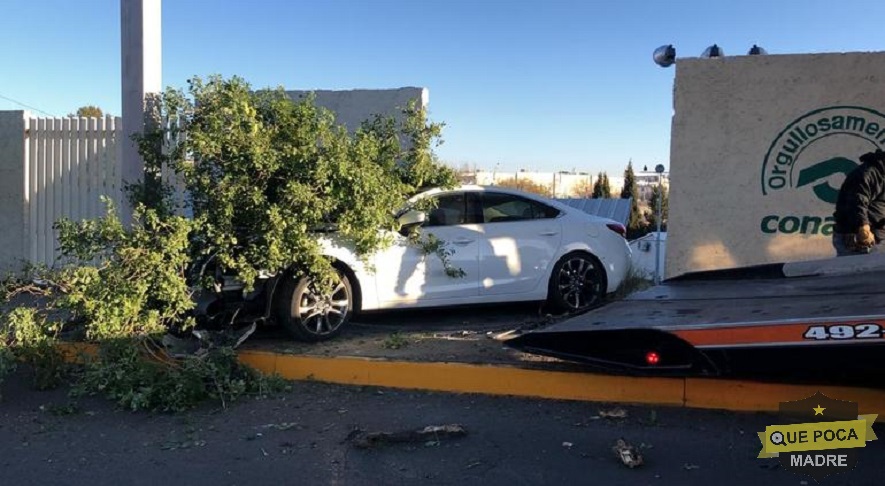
(658, 235)
(658, 215)
(141, 63)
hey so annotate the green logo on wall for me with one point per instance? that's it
(816, 151)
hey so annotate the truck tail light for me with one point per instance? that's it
(652, 358)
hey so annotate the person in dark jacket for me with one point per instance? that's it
(860, 208)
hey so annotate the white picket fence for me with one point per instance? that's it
(69, 164)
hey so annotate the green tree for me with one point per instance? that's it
(651, 214)
(602, 187)
(583, 189)
(630, 191)
(599, 190)
(89, 111)
(264, 173)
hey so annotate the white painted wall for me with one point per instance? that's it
(352, 107)
(644, 254)
(12, 191)
(755, 142)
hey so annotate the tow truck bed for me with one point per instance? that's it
(823, 322)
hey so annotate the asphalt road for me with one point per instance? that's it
(301, 437)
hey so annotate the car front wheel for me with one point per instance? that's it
(577, 283)
(313, 312)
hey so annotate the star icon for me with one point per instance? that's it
(819, 410)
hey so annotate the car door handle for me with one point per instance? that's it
(462, 241)
(549, 233)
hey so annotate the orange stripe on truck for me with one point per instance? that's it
(776, 334)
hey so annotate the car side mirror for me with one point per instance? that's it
(411, 219)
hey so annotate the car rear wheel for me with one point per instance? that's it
(577, 283)
(313, 312)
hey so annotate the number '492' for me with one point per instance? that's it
(842, 331)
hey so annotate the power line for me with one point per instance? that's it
(26, 106)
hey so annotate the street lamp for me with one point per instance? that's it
(660, 170)
(665, 56)
(712, 52)
(757, 51)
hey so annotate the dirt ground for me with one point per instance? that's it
(470, 334)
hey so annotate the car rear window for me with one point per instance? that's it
(502, 208)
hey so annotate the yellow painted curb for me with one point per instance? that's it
(765, 397)
(74, 351)
(708, 393)
(468, 378)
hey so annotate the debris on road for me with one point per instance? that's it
(431, 433)
(503, 335)
(201, 341)
(464, 335)
(618, 413)
(627, 454)
(281, 426)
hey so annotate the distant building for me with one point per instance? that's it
(563, 184)
(647, 180)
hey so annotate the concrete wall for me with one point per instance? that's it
(355, 106)
(645, 256)
(760, 146)
(12, 191)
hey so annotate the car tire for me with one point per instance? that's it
(577, 283)
(312, 315)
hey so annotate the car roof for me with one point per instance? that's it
(500, 190)
(528, 195)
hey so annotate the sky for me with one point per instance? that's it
(543, 85)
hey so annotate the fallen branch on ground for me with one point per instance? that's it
(431, 433)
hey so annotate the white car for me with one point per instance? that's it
(510, 245)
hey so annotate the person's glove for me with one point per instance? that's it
(864, 238)
(861, 241)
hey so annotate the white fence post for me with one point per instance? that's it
(67, 164)
(31, 162)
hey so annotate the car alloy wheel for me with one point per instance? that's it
(577, 282)
(311, 311)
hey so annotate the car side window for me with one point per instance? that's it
(502, 208)
(450, 210)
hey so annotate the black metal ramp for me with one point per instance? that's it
(717, 302)
(755, 327)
